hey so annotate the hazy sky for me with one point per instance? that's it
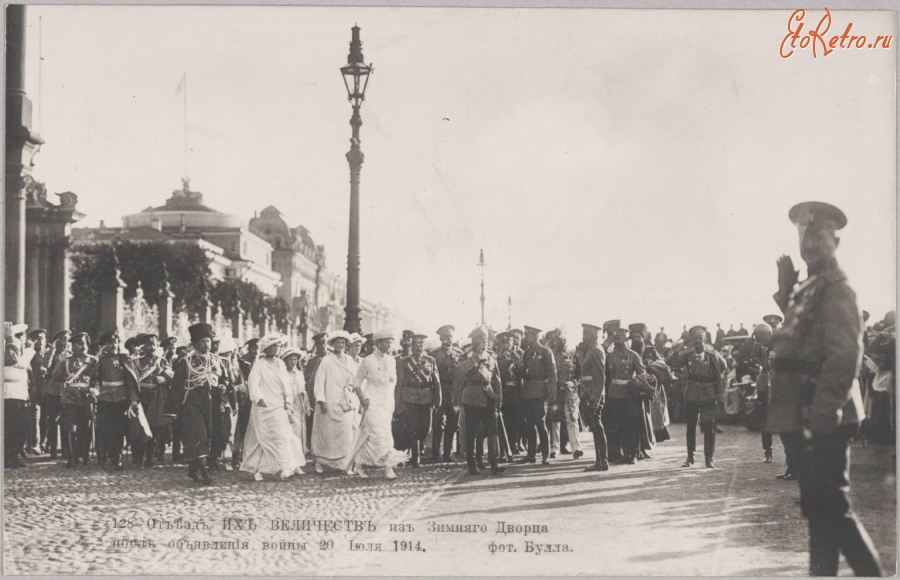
(612, 163)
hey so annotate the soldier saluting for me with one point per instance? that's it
(814, 392)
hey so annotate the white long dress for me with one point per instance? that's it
(270, 445)
(374, 444)
(332, 432)
(300, 403)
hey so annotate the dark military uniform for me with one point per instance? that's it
(703, 383)
(622, 429)
(477, 387)
(510, 368)
(559, 430)
(538, 386)
(419, 391)
(51, 406)
(445, 418)
(754, 353)
(73, 375)
(590, 370)
(223, 406)
(815, 363)
(150, 377)
(112, 403)
(242, 399)
(196, 376)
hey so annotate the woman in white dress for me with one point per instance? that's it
(333, 423)
(300, 400)
(374, 383)
(270, 445)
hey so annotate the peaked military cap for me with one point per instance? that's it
(619, 331)
(130, 343)
(446, 329)
(253, 342)
(169, 341)
(504, 335)
(76, 337)
(532, 330)
(408, 333)
(610, 325)
(62, 334)
(809, 213)
(591, 327)
(370, 337)
(695, 329)
(320, 336)
(143, 339)
(108, 337)
(422, 336)
(33, 334)
(518, 332)
(772, 319)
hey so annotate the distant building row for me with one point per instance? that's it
(279, 260)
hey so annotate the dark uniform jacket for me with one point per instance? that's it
(110, 379)
(477, 381)
(73, 377)
(418, 381)
(194, 373)
(755, 353)
(816, 356)
(510, 374)
(539, 373)
(703, 372)
(621, 366)
(447, 359)
(150, 378)
(590, 369)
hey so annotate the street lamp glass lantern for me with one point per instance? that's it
(356, 79)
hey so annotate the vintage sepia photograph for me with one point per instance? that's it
(450, 291)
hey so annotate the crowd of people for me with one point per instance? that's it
(352, 402)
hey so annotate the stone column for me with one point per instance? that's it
(165, 308)
(21, 147)
(237, 323)
(112, 300)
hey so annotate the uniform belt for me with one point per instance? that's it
(620, 381)
(587, 378)
(510, 383)
(149, 385)
(78, 385)
(113, 383)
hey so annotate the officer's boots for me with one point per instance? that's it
(709, 444)
(495, 468)
(690, 459)
(768, 456)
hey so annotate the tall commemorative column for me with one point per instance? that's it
(21, 146)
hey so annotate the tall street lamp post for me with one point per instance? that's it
(356, 78)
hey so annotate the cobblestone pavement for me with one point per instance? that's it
(653, 518)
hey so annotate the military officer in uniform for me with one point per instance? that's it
(622, 432)
(113, 399)
(590, 372)
(773, 320)
(419, 390)
(168, 346)
(51, 403)
(476, 385)
(538, 387)
(815, 393)
(242, 399)
(756, 353)
(196, 376)
(510, 368)
(704, 368)
(73, 377)
(149, 375)
(445, 418)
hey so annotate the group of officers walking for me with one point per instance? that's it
(501, 395)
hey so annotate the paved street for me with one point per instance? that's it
(651, 518)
